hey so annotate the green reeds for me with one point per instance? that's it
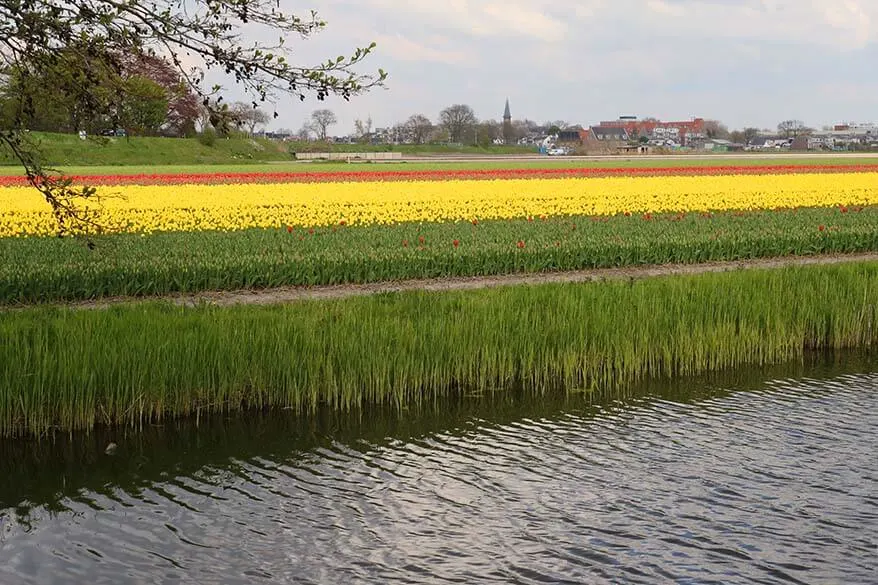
(67, 369)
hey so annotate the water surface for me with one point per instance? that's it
(759, 476)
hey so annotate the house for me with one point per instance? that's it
(720, 145)
(677, 132)
(570, 135)
(607, 134)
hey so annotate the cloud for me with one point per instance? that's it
(746, 62)
(405, 49)
(509, 18)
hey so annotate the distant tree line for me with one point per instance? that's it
(456, 124)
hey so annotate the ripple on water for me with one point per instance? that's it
(773, 484)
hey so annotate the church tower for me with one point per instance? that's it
(507, 124)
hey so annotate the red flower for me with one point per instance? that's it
(405, 243)
(627, 214)
(520, 244)
(821, 227)
(530, 218)
(647, 216)
(310, 231)
(342, 222)
(475, 222)
(456, 243)
(422, 240)
(843, 209)
(543, 217)
(289, 229)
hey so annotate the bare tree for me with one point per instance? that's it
(459, 120)
(419, 128)
(247, 116)
(363, 130)
(304, 133)
(559, 124)
(321, 120)
(716, 129)
(792, 128)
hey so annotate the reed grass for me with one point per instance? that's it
(49, 269)
(62, 369)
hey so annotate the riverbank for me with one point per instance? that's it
(130, 365)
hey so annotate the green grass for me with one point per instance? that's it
(139, 155)
(537, 163)
(68, 150)
(66, 369)
(65, 150)
(414, 149)
(36, 270)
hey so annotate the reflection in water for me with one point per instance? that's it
(756, 476)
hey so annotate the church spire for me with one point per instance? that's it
(507, 115)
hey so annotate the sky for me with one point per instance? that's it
(743, 62)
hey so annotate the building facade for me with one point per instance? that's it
(682, 133)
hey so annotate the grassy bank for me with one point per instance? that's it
(148, 155)
(66, 150)
(65, 369)
(45, 473)
(49, 269)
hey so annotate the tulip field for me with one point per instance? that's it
(156, 234)
(153, 234)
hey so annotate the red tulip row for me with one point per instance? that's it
(438, 175)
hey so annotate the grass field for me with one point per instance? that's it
(148, 155)
(67, 369)
(538, 163)
(67, 150)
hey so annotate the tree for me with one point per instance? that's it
(559, 124)
(304, 133)
(750, 134)
(487, 132)
(791, 128)
(78, 42)
(184, 106)
(246, 117)
(321, 120)
(459, 121)
(363, 130)
(716, 129)
(145, 107)
(419, 128)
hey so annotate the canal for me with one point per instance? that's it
(753, 476)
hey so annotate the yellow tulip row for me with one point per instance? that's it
(145, 209)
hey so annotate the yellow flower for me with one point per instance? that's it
(147, 209)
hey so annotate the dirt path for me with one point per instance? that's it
(294, 294)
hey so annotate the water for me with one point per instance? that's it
(762, 476)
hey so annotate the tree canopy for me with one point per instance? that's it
(82, 48)
(458, 120)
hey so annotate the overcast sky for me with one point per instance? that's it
(745, 62)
